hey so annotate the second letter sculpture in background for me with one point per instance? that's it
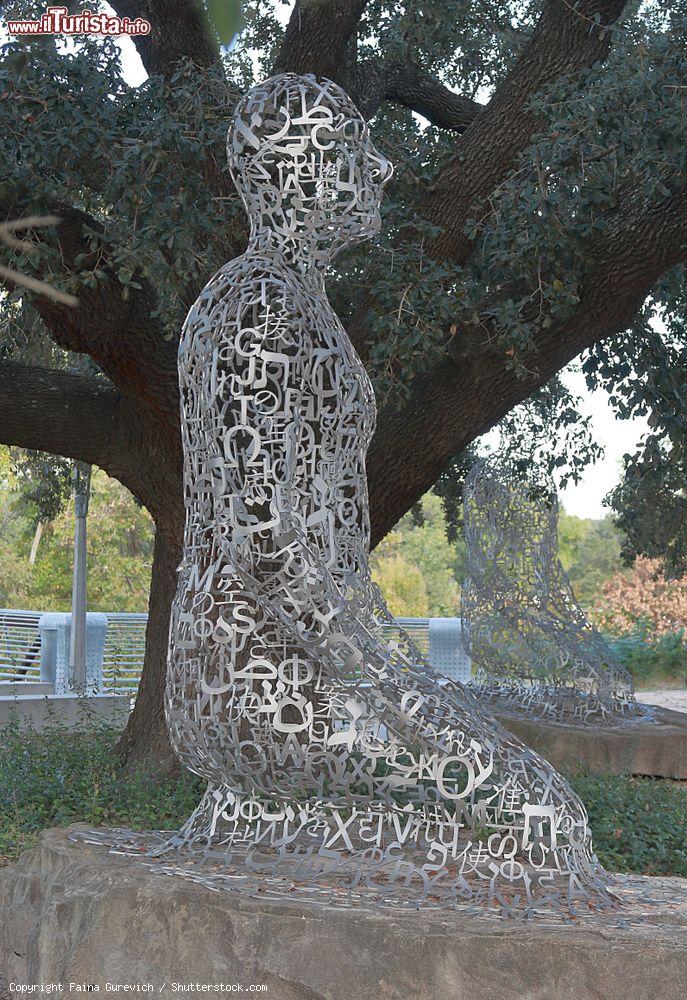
(337, 764)
(532, 644)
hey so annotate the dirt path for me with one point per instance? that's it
(676, 699)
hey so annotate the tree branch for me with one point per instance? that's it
(317, 37)
(465, 394)
(118, 334)
(567, 39)
(61, 413)
(375, 81)
(178, 30)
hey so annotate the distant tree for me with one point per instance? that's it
(43, 483)
(590, 552)
(644, 596)
(120, 550)
(572, 532)
(402, 583)
(419, 544)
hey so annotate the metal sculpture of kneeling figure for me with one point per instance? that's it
(534, 647)
(334, 759)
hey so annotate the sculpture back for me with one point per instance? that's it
(532, 643)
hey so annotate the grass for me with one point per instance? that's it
(56, 777)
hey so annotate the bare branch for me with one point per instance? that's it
(17, 278)
(117, 333)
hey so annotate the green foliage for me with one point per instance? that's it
(136, 161)
(43, 483)
(225, 16)
(420, 565)
(650, 504)
(639, 824)
(417, 567)
(548, 431)
(449, 489)
(131, 158)
(654, 660)
(590, 553)
(56, 777)
(490, 36)
(645, 372)
(120, 550)
(402, 583)
(616, 127)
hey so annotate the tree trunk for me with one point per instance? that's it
(145, 737)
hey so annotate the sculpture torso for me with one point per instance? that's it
(337, 405)
(256, 312)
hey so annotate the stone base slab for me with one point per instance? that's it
(657, 748)
(72, 913)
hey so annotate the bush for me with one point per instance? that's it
(56, 777)
(639, 824)
(655, 661)
(642, 595)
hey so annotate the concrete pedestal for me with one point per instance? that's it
(71, 710)
(657, 748)
(73, 913)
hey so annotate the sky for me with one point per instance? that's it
(615, 436)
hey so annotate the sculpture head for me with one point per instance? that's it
(302, 159)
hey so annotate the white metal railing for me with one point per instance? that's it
(35, 646)
(440, 640)
(125, 642)
(417, 629)
(20, 645)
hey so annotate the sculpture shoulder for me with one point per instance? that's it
(244, 291)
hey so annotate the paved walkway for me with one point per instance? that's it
(674, 698)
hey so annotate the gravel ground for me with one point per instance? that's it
(667, 698)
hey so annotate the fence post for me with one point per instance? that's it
(55, 631)
(78, 644)
(446, 653)
(96, 633)
(48, 636)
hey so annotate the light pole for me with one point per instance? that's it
(77, 649)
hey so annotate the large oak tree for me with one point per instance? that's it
(537, 214)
